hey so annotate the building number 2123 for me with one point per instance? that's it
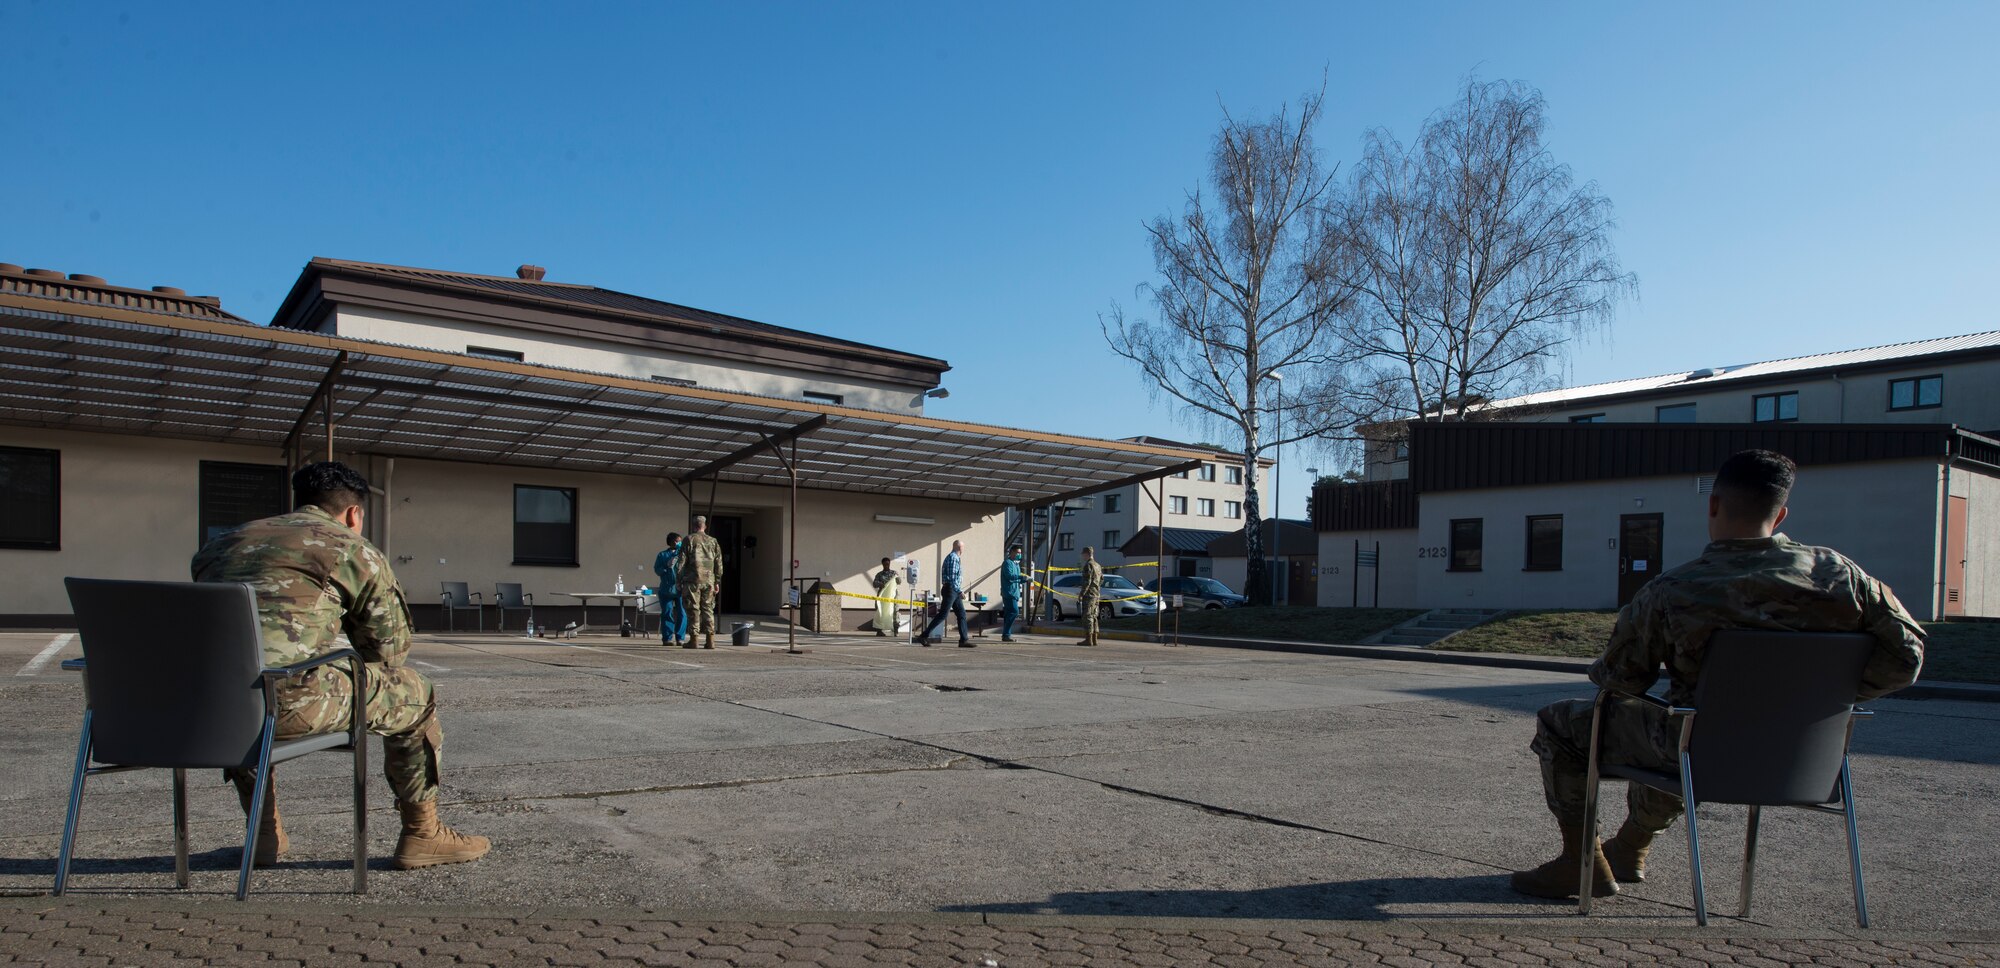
(1438, 551)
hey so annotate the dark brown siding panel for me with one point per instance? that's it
(1371, 506)
(1465, 456)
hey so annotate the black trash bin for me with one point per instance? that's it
(740, 635)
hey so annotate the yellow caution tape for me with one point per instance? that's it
(1126, 564)
(1101, 598)
(872, 598)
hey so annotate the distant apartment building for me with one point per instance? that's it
(1575, 498)
(1194, 506)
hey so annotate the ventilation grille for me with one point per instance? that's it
(1705, 484)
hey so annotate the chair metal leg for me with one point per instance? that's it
(75, 807)
(361, 813)
(259, 791)
(1853, 843)
(1749, 858)
(1591, 780)
(1694, 840)
(180, 827)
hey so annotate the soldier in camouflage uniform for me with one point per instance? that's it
(1088, 595)
(701, 576)
(321, 586)
(1749, 577)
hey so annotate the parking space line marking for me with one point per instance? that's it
(867, 658)
(48, 652)
(434, 667)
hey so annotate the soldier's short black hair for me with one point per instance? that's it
(1754, 484)
(329, 484)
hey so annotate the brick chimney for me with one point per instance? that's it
(531, 273)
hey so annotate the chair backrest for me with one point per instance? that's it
(507, 594)
(1773, 711)
(172, 671)
(461, 595)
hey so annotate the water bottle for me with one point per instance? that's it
(621, 585)
(531, 627)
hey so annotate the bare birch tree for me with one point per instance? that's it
(1475, 258)
(1247, 302)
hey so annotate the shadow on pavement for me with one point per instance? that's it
(1378, 899)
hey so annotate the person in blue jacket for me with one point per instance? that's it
(673, 616)
(1012, 581)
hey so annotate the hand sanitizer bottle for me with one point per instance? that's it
(621, 585)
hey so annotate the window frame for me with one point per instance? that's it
(276, 472)
(575, 558)
(1528, 562)
(54, 458)
(1177, 504)
(496, 353)
(1456, 551)
(1065, 541)
(1112, 539)
(1690, 407)
(1232, 510)
(1587, 418)
(1233, 476)
(1917, 392)
(1111, 503)
(1207, 473)
(1777, 407)
(1204, 507)
(821, 396)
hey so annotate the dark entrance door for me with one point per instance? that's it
(1638, 553)
(728, 532)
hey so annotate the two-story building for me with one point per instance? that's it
(1574, 498)
(515, 430)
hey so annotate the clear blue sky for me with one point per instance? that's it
(969, 181)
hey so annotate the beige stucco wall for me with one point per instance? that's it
(1883, 515)
(1398, 568)
(129, 511)
(1982, 540)
(618, 359)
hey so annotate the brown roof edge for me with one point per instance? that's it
(297, 308)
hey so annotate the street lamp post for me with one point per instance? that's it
(1277, 488)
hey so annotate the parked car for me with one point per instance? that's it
(1121, 598)
(1200, 592)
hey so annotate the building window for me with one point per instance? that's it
(30, 499)
(1916, 393)
(1467, 537)
(1205, 507)
(544, 525)
(1587, 418)
(1232, 509)
(1235, 475)
(1066, 541)
(231, 494)
(1545, 542)
(1111, 503)
(1674, 413)
(489, 353)
(818, 397)
(1111, 540)
(1177, 505)
(1769, 407)
(1181, 474)
(1402, 450)
(1208, 472)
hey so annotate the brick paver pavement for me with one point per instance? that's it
(45, 931)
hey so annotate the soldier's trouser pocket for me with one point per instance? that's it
(401, 707)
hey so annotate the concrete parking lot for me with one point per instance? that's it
(1133, 779)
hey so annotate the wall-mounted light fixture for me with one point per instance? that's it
(937, 394)
(903, 519)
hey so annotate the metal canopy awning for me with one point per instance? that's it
(114, 371)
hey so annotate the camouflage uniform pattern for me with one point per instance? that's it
(321, 587)
(701, 576)
(1087, 597)
(1770, 583)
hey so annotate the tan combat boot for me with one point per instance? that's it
(1627, 851)
(271, 840)
(708, 641)
(427, 842)
(1558, 878)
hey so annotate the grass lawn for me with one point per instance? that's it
(1546, 632)
(1333, 626)
(1957, 651)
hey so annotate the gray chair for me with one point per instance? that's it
(508, 594)
(174, 678)
(458, 597)
(1772, 718)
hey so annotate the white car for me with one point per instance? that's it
(1121, 598)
